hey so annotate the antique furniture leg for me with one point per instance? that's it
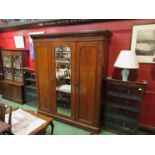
(52, 128)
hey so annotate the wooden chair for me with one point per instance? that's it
(3, 110)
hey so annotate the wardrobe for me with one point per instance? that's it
(70, 68)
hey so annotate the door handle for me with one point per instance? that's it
(76, 83)
(52, 80)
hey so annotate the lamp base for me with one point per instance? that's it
(125, 74)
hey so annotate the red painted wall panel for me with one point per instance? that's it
(122, 31)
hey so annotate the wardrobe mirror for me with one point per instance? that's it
(63, 80)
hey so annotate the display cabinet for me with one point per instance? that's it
(30, 87)
(123, 105)
(13, 62)
(69, 72)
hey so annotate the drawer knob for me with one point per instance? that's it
(140, 89)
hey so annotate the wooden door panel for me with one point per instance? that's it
(7, 91)
(86, 76)
(41, 56)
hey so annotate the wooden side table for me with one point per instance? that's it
(49, 121)
(41, 129)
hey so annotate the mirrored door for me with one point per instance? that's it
(63, 79)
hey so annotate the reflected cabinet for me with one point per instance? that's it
(13, 62)
(69, 71)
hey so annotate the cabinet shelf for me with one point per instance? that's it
(124, 106)
(31, 94)
(122, 117)
(30, 79)
(125, 96)
(120, 128)
(31, 87)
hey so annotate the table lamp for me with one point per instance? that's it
(126, 60)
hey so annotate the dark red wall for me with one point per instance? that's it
(122, 31)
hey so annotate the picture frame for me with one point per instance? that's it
(143, 42)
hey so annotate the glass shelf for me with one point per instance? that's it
(30, 79)
(122, 117)
(132, 108)
(121, 127)
(125, 96)
(31, 94)
(31, 87)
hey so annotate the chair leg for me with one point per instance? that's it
(52, 128)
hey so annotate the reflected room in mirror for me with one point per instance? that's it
(63, 80)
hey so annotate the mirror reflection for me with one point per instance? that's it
(63, 80)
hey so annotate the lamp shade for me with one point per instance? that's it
(126, 59)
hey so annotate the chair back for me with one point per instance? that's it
(3, 109)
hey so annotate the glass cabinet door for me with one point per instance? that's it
(8, 73)
(7, 64)
(18, 75)
(17, 66)
(7, 61)
(17, 62)
(63, 80)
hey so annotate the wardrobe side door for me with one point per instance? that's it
(62, 67)
(42, 76)
(87, 81)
